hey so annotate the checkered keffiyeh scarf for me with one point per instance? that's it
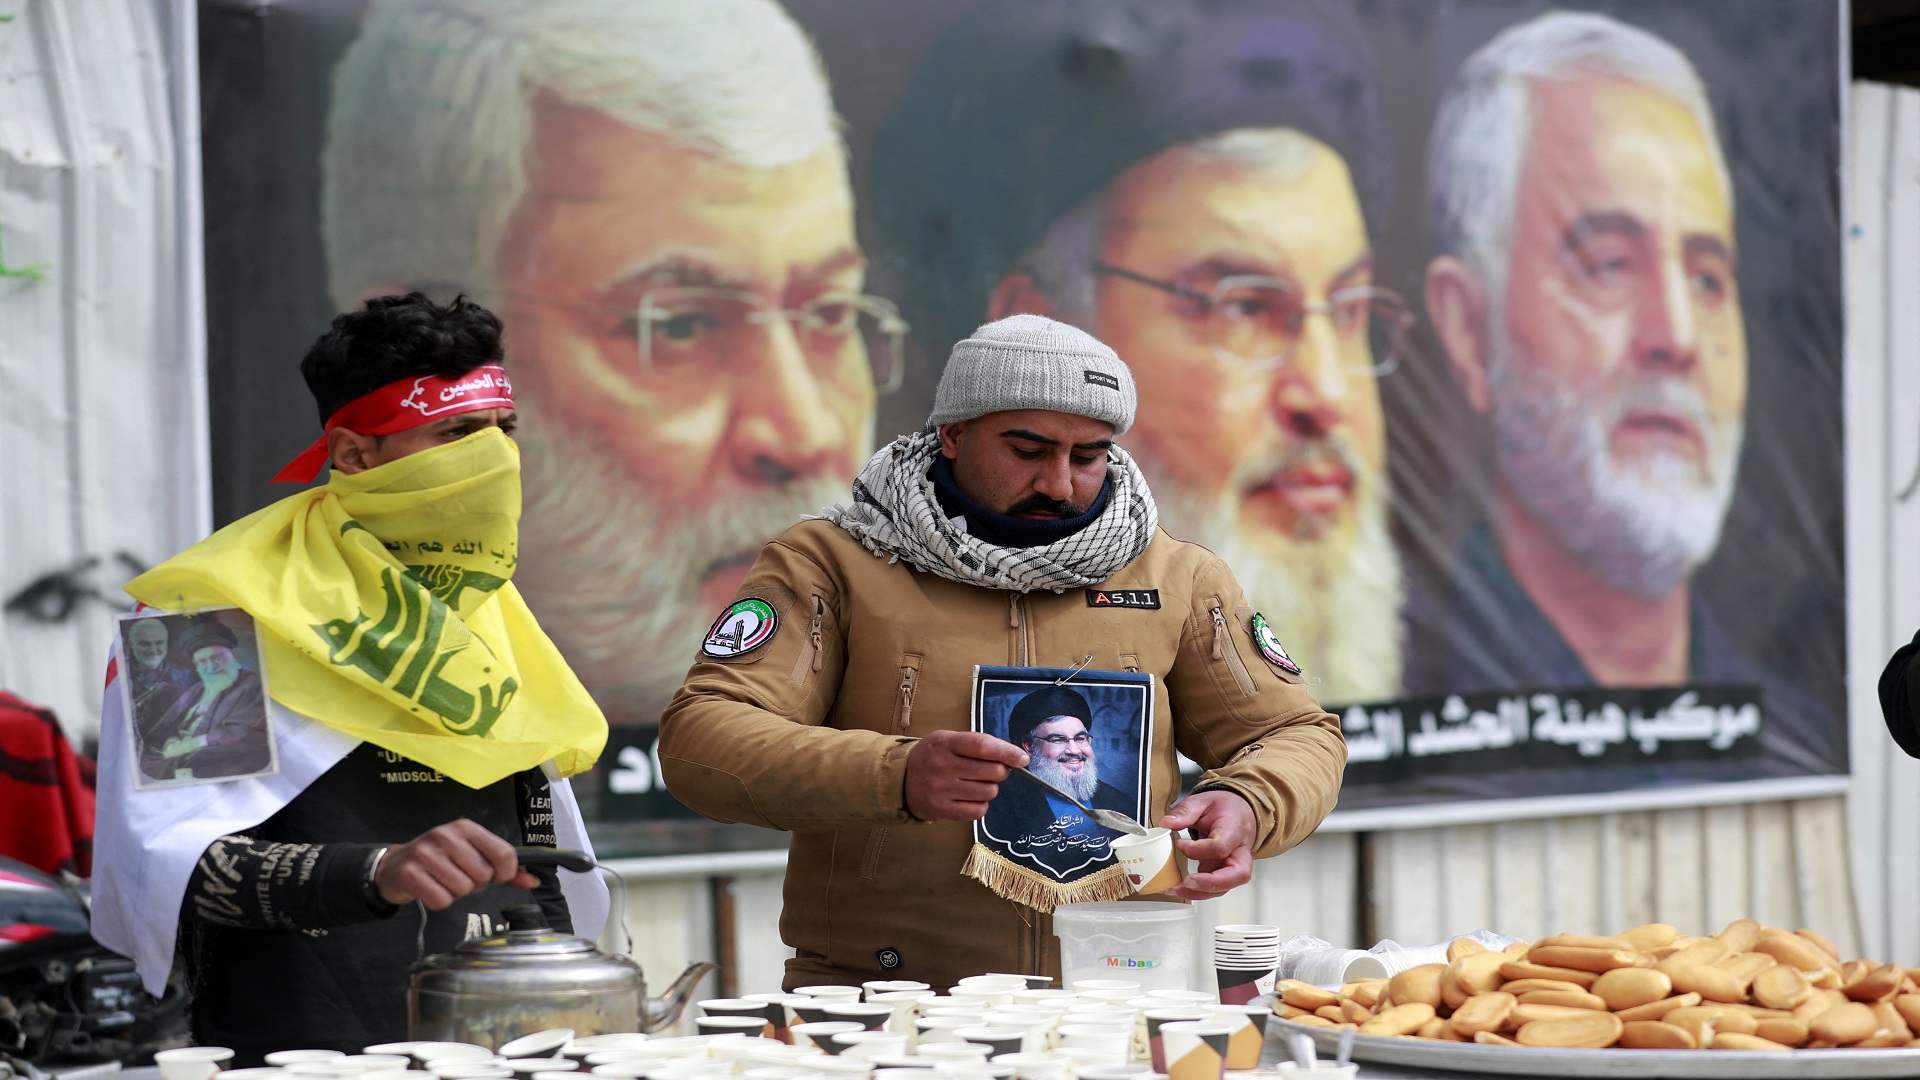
(894, 513)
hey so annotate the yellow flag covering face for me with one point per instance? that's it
(385, 611)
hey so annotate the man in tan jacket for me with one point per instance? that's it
(832, 698)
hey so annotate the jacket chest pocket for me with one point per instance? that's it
(1225, 652)
(813, 650)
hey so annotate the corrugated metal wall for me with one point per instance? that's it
(103, 448)
(1883, 531)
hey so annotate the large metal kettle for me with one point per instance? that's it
(532, 978)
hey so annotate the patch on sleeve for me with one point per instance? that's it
(747, 624)
(1148, 599)
(1270, 647)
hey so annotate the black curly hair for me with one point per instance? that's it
(394, 337)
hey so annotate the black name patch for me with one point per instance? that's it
(1101, 378)
(1133, 598)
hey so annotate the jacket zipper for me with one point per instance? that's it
(909, 676)
(1223, 650)
(1016, 621)
(813, 656)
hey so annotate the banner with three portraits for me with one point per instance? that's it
(1496, 345)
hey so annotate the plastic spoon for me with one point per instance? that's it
(1346, 1047)
(1303, 1053)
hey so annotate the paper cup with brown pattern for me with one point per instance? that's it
(1196, 1049)
(1248, 1024)
(1148, 861)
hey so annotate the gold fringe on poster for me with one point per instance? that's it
(1011, 881)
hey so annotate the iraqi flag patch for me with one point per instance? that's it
(747, 624)
(1270, 648)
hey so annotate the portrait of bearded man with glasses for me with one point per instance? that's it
(1211, 223)
(668, 235)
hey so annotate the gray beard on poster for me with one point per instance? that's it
(1335, 606)
(616, 585)
(1081, 785)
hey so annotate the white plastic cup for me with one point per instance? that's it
(1112, 1042)
(1113, 1072)
(870, 1044)
(955, 1051)
(973, 1070)
(447, 1051)
(891, 986)
(851, 993)
(1332, 967)
(821, 1032)
(192, 1062)
(905, 1005)
(842, 1066)
(1181, 997)
(871, 1015)
(943, 1029)
(756, 1025)
(1037, 1066)
(998, 1038)
(1325, 1070)
(1081, 986)
(281, 1058)
(1005, 983)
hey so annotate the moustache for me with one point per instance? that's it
(1332, 448)
(1040, 504)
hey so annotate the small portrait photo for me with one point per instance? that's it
(1085, 735)
(196, 697)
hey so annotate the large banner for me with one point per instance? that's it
(1495, 345)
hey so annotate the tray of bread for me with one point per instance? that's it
(1750, 1001)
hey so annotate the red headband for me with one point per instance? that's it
(400, 406)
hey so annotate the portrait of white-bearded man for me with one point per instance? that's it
(1191, 184)
(655, 199)
(1586, 293)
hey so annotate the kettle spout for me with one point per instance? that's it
(659, 1012)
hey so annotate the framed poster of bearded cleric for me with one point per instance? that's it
(1084, 733)
(1495, 345)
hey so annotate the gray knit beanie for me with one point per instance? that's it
(1033, 362)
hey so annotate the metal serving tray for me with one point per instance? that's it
(1473, 1058)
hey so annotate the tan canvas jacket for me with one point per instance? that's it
(809, 733)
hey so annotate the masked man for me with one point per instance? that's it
(422, 722)
(845, 718)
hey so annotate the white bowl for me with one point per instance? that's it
(192, 1062)
(447, 1051)
(297, 1057)
(539, 1044)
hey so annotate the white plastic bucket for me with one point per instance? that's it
(1146, 941)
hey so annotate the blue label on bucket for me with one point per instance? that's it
(1132, 963)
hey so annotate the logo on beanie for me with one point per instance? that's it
(1101, 378)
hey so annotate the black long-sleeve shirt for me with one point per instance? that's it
(1897, 697)
(283, 944)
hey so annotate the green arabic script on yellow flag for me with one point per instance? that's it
(386, 611)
